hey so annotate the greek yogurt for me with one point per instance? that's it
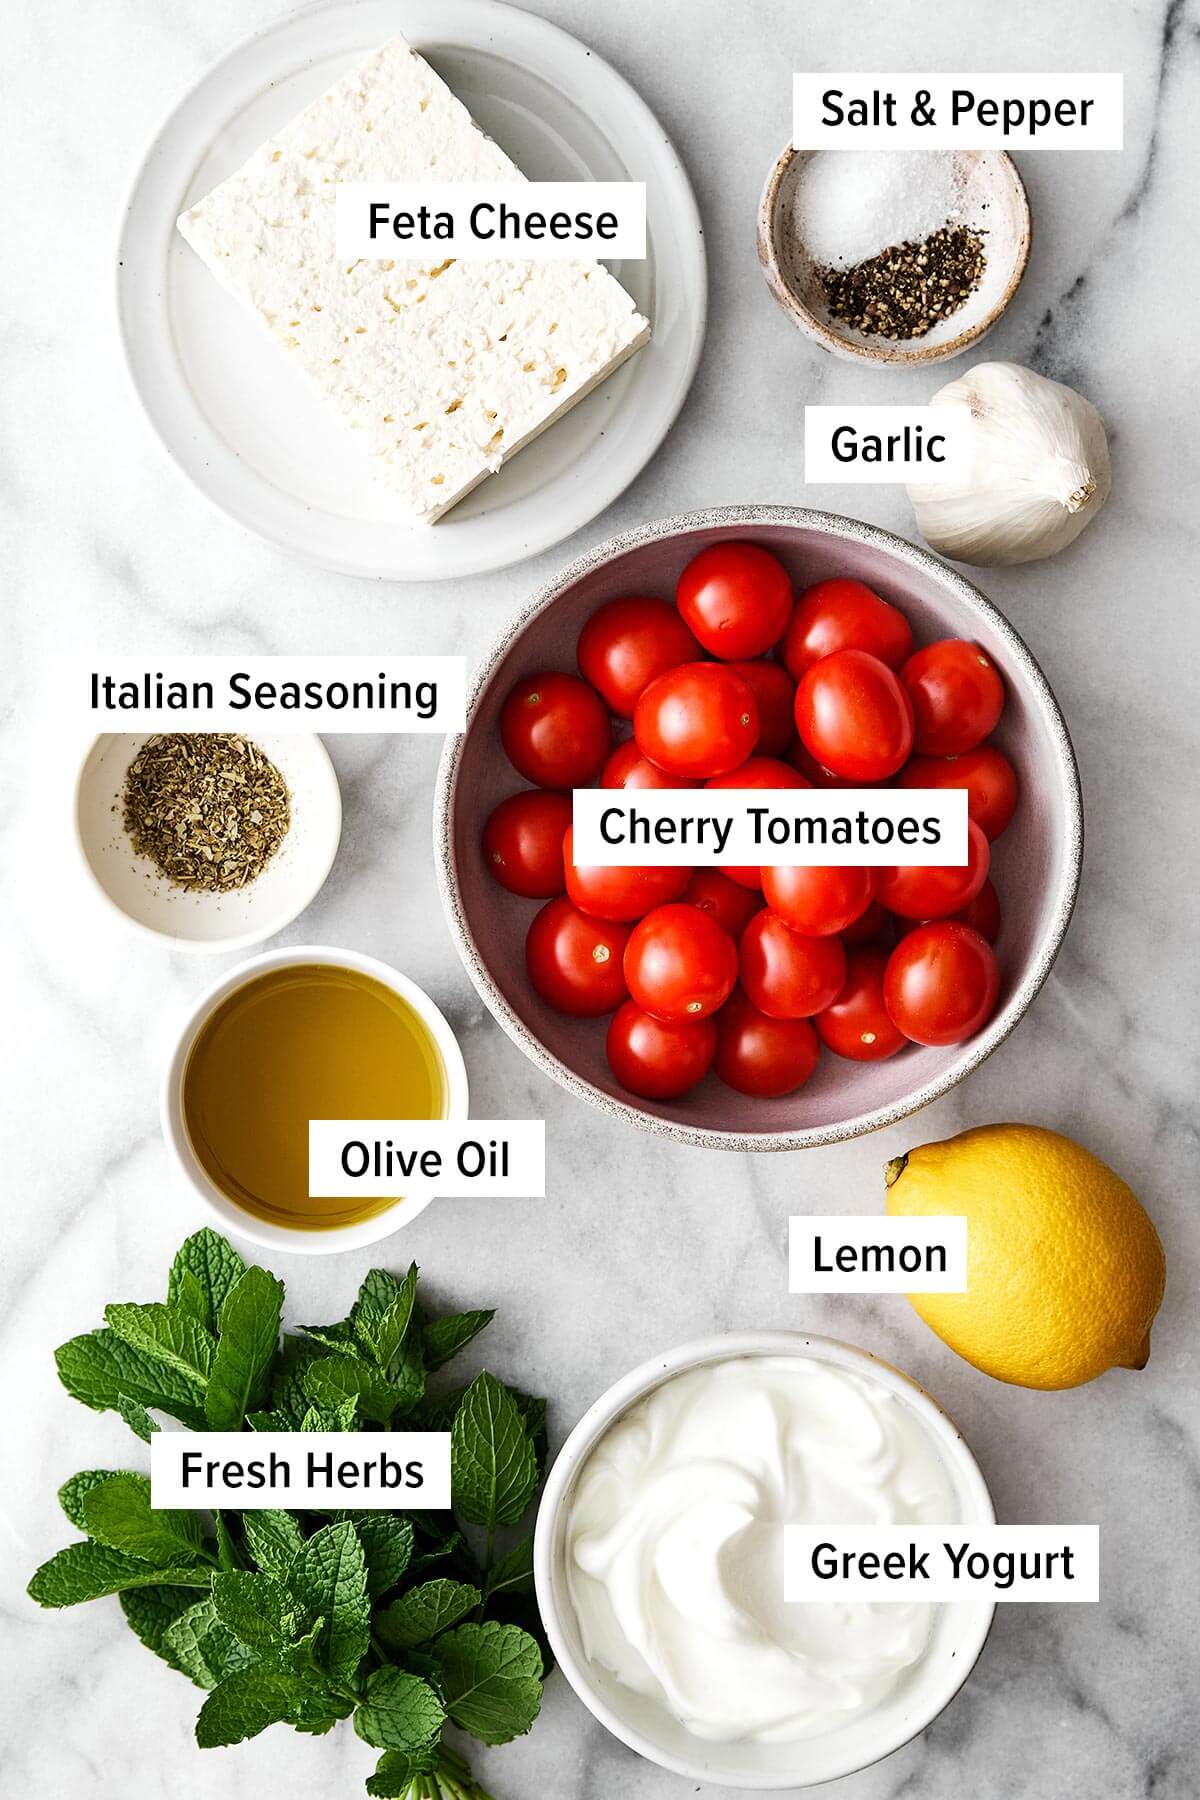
(674, 1545)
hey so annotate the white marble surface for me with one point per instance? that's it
(639, 1245)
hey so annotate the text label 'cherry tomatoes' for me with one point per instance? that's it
(844, 615)
(737, 599)
(697, 720)
(575, 963)
(657, 1058)
(679, 963)
(555, 731)
(941, 983)
(785, 975)
(624, 892)
(627, 643)
(522, 843)
(854, 716)
(957, 696)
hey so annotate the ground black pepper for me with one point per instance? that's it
(207, 808)
(908, 288)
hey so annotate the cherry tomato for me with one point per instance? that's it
(628, 768)
(844, 615)
(941, 983)
(730, 904)
(854, 716)
(522, 843)
(761, 1056)
(937, 891)
(858, 1025)
(679, 963)
(775, 692)
(818, 902)
(817, 774)
(698, 720)
(957, 696)
(756, 772)
(624, 892)
(785, 975)
(576, 963)
(985, 772)
(737, 599)
(982, 914)
(659, 1058)
(555, 730)
(627, 643)
(872, 924)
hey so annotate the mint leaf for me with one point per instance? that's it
(204, 1647)
(383, 1312)
(247, 1702)
(204, 1270)
(437, 1411)
(443, 1338)
(137, 1418)
(343, 1417)
(256, 1608)
(104, 1372)
(273, 1538)
(420, 1614)
(149, 1611)
(335, 1379)
(339, 1338)
(512, 1573)
(398, 1769)
(400, 1711)
(387, 1541)
(72, 1493)
(329, 1577)
(117, 1512)
(241, 1368)
(167, 1336)
(493, 1467)
(87, 1571)
(288, 1394)
(491, 1679)
(270, 1421)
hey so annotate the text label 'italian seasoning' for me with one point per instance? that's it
(941, 1563)
(465, 221)
(359, 1470)
(958, 112)
(276, 693)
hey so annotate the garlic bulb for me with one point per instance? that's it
(1039, 473)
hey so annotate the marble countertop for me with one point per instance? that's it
(639, 1245)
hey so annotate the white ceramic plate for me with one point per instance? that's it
(247, 429)
(235, 921)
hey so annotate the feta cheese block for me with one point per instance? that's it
(444, 368)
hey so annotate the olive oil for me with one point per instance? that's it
(315, 1041)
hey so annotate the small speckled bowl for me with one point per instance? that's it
(1036, 863)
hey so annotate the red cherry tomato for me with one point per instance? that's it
(818, 902)
(627, 643)
(985, 772)
(575, 963)
(679, 963)
(872, 924)
(819, 776)
(785, 975)
(854, 716)
(957, 696)
(844, 615)
(730, 904)
(522, 843)
(775, 692)
(697, 720)
(624, 892)
(555, 730)
(756, 772)
(628, 768)
(761, 1056)
(937, 891)
(941, 983)
(982, 914)
(659, 1058)
(858, 1025)
(737, 599)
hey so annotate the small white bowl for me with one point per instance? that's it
(959, 1633)
(223, 1212)
(209, 922)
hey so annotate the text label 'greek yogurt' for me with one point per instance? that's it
(277, 693)
(297, 1469)
(958, 112)
(941, 1562)
(465, 221)
(873, 1253)
(452, 1158)
(776, 827)
(862, 444)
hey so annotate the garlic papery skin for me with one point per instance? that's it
(1039, 470)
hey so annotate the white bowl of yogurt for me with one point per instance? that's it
(658, 1560)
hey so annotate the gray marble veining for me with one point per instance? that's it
(639, 1244)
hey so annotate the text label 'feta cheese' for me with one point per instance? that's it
(472, 221)
(873, 1253)
(958, 112)
(451, 1158)
(297, 1469)
(276, 693)
(775, 827)
(941, 1562)
(860, 444)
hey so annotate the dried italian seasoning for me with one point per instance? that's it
(908, 288)
(207, 808)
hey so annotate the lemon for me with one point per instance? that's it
(1065, 1271)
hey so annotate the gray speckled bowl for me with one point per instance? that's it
(1035, 864)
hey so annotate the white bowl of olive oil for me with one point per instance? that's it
(294, 1035)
